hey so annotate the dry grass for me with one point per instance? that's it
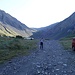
(67, 43)
(12, 47)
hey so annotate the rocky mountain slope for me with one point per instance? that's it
(58, 30)
(10, 26)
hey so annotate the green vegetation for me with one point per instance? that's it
(67, 43)
(12, 47)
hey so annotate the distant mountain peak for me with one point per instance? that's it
(2, 10)
(72, 15)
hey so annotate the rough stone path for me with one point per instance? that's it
(52, 60)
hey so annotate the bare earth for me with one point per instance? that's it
(52, 60)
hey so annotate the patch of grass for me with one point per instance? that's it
(12, 47)
(67, 43)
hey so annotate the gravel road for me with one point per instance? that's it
(52, 60)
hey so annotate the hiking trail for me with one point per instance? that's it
(52, 60)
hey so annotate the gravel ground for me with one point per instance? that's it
(52, 60)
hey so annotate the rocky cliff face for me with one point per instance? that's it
(13, 25)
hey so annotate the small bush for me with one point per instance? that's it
(20, 37)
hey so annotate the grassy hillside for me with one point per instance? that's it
(12, 47)
(67, 43)
(6, 31)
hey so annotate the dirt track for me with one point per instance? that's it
(52, 60)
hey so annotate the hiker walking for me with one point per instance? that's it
(41, 43)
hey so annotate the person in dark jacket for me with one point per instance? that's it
(41, 43)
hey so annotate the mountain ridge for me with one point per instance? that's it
(12, 24)
(59, 30)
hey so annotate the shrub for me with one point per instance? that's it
(20, 37)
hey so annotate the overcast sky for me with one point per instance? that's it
(38, 13)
